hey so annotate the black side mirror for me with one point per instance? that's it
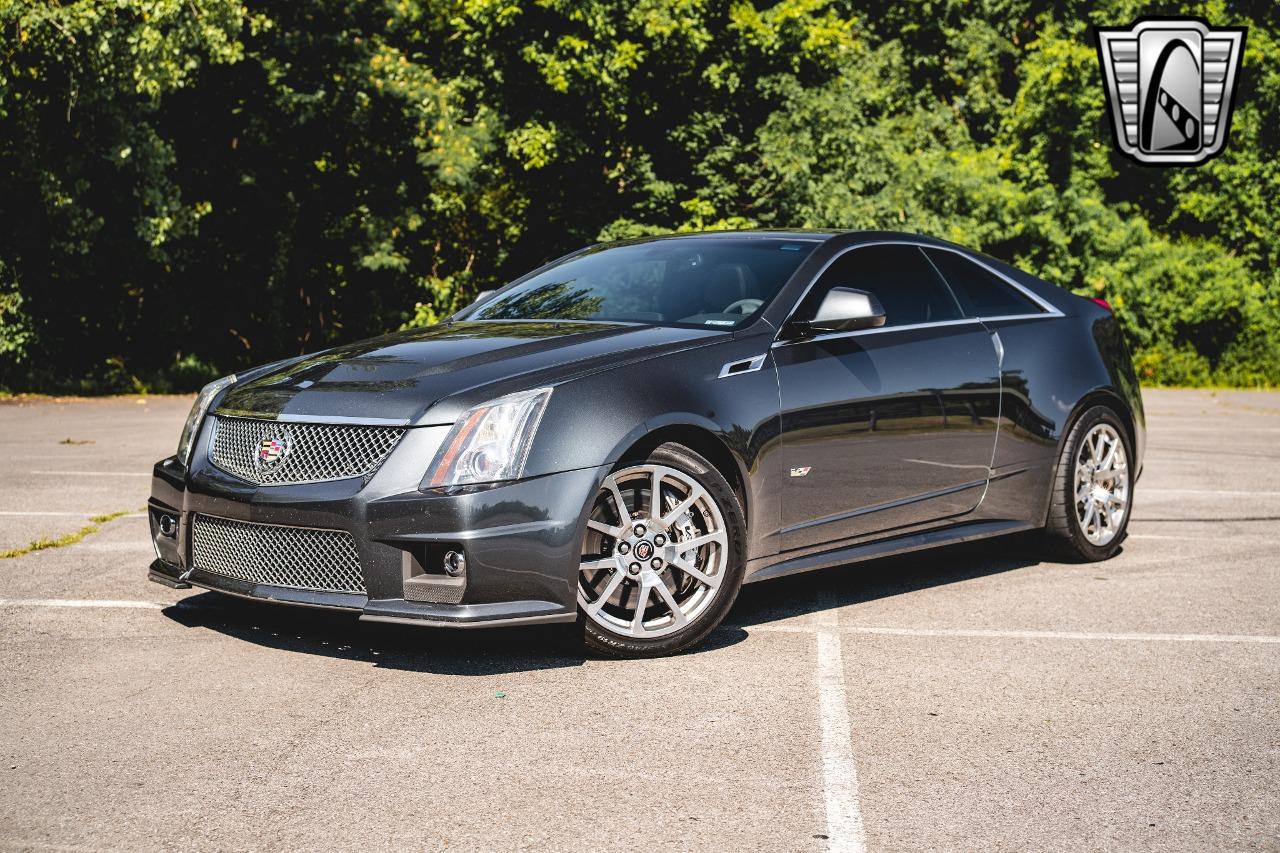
(844, 309)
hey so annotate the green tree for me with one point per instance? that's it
(191, 186)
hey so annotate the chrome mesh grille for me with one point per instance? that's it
(297, 557)
(312, 453)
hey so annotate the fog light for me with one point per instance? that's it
(455, 564)
(168, 525)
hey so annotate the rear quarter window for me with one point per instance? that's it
(980, 292)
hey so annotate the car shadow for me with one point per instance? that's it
(333, 634)
(498, 651)
(813, 592)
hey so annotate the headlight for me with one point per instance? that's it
(489, 443)
(192, 427)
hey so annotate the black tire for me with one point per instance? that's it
(603, 641)
(1064, 535)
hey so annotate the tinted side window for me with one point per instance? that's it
(981, 293)
(901, 277)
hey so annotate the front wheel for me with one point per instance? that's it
(1093, 490)
(662, 555)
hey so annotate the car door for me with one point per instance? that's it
(886, 427)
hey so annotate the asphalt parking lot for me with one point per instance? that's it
(971, 698)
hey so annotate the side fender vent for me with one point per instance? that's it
(745, 365)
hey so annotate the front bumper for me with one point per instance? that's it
(521, 540)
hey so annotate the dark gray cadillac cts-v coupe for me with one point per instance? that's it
(628, 434)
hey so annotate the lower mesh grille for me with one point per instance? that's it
(296, 557)
(435, 589)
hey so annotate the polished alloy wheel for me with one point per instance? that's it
(655, 552)
(1102, 484)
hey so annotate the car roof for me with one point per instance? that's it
(815, 235)
(836, 238)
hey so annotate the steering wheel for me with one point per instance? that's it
(743, 306)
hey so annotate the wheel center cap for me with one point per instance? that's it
(644, 550)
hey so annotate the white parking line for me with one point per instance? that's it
(839, 772)
(59, 514)
(67, 514)
(1149, 464)
(139, 547)
(1068, 635)
(92, 473)
(1216, 540)
(81, 602)
(1032, 635)
(1226, 492)
(1162, 431)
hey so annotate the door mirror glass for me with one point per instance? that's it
(846, 309)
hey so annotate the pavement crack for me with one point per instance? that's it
(44, 543)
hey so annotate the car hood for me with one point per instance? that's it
(401, 377)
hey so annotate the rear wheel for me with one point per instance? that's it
(1093, 489)
(662, 556)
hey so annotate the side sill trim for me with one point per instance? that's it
(890, 505)
(888, 547)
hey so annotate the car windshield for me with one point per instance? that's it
(708, 282)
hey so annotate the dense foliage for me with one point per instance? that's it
(190, 186)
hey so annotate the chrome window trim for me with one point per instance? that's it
(994, 318)
(964, 321)
(1049, 310)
